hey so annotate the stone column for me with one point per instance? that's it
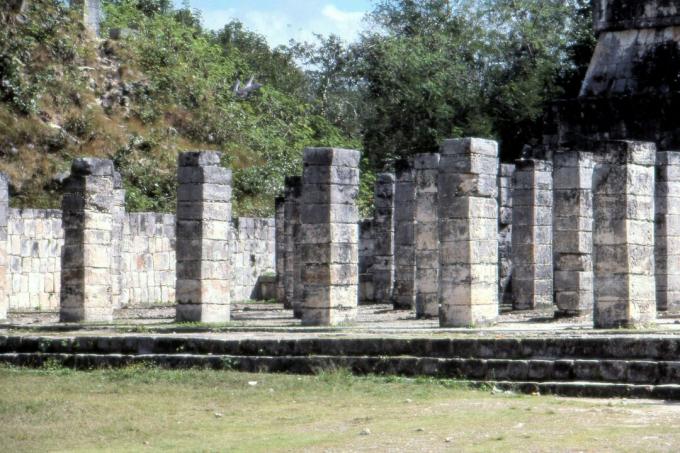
(117, 275)
(4, 246)
(292, 276)
(404, 296)
(383, 230)
(505, 233)
(92, 14)
(366, 261)
(330, 233)
(203, 227)
(426, 235)
(623, 236)
(280, 251)
(667, 230)
(532, 254)
(468, 232)
(87, 219)
(573, 232)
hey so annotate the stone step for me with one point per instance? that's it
(621, 347)
(603, 371)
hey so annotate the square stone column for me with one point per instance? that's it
(280, 251)
(623, 236)
(383, 230)
(573, 232)
(203, 227)
(366, 261)
(532, 253)
(426, 235)
(505, 176)
(86, 260)
(4, 246)
(293, 272)
(667, 230)
(404, 295)
(468, 232)
(118, 283)
(330, 236)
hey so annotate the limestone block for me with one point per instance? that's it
(468, 274)
(330, 275)
(623, 236)
(203, 268)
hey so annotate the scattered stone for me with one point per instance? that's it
(252, 383)
(365, 432)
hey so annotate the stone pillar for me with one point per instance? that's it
(118, 283)
(383, 230)
(468, 232)
(623, 236)
(532, 255)
(92, 14)
(280, 251)
(426, 235)
(87, 219)
(505, 176)
(667, 230)
(292, 275)
(329, 236)
(573, 232)
(366, 261)
(4, 246)
(404, 296)
(203, 227)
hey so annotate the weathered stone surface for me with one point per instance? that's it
(426, 168)
(623, 236)
(532, 252)
(4, 247)
(86, 267)
(667, 234)
(505, 176)
(203, 251)
(468, 236)
(572, 232)
(404, 295)
(292, 274)
(383, 230)
(280, 257)
(330, 277)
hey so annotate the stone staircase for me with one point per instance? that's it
(593, 366)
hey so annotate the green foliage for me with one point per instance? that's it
(190, 77)
(46, 34)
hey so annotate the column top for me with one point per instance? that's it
(385, 178)
(426, 161)
(469, 145)
(85, 166)
(536, 164)
(630, 152)
(332, 156)
(199, 159)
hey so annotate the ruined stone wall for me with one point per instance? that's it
(35, 239)
(366, 261)
(148, 258)
(252, 255)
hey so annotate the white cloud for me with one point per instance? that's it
(279, 26)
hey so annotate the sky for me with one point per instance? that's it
(282, 20)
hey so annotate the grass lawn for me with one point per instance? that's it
(149, 409)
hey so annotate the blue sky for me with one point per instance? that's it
(282, 20)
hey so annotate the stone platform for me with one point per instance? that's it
(525, 351)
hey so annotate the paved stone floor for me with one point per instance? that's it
(267, 320)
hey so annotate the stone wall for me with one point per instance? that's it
(35, 239)
(148, 259)
(252, 255)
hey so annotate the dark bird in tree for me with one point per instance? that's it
(250, 87)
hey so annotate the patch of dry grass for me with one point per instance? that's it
(142, 409)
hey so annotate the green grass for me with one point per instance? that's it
(149, 409)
